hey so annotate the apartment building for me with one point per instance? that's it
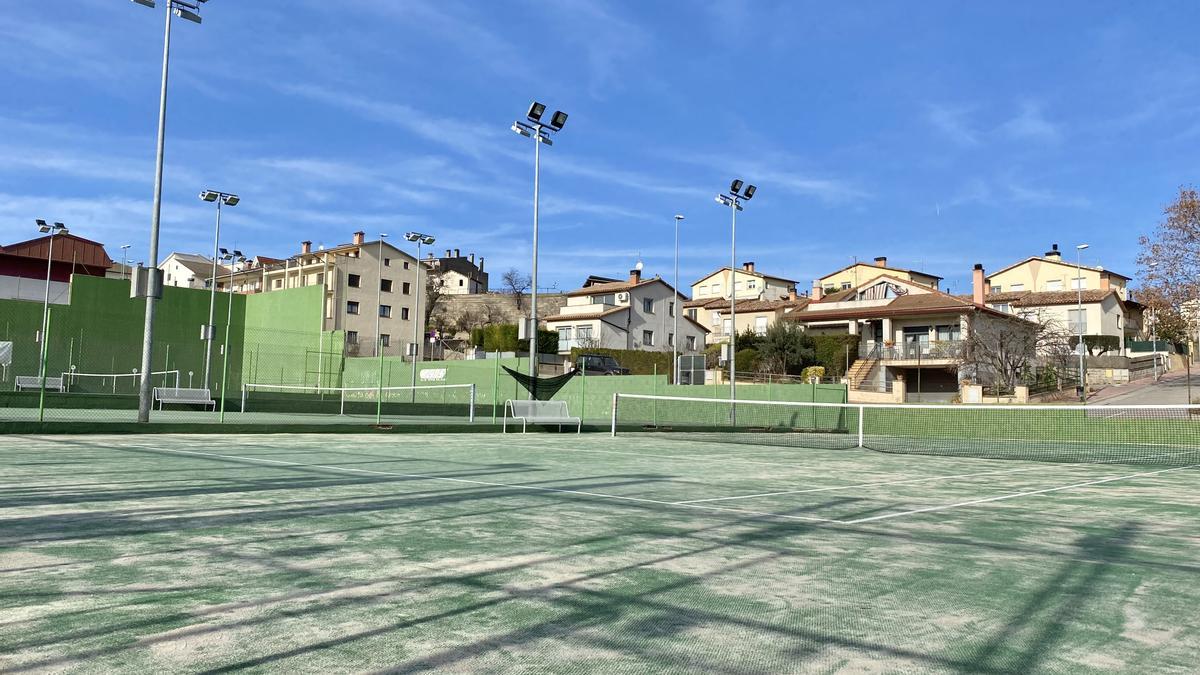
(456, 274)
(854, 275)
(752, 315)
(709, 305)
(632, 314)
(1049, 273)
(364, 283)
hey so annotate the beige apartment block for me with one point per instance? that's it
(1051, 273)
(853, 276)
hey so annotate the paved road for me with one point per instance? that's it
(1171, 389)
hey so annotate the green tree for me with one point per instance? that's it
(785, 349)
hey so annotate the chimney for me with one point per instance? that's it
(447, 253)
(977, 289)
(480, 263)
(881, 261)
(792, 294)
(359, 237)
(1104, 282)
(748, 266)
(1053, 253)
(456, 255)
(635, 276)
(472, 258)
(306, 247)
(817, 292)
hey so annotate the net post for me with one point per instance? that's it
(244, 397)
(861, 410)
(342, 398)
(614, 414)
(471, 412)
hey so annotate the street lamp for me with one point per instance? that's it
(417, 238)
(51, 229)
(1154, 328)
(378, 327)
(1079, 320)
(675, 344)
(540, 133)
(233, 258)
(189, 11)
(125, 261)
(734, 201)
(208, 331)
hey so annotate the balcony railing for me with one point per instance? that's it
(570, 343)
(912, 351)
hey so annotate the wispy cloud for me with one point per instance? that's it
(1045, 197)
(953, 123)
(1030, 124)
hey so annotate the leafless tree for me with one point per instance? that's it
(997, 350)
(435, 295)
(516, 284)
(1170, 268)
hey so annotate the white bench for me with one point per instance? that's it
(188, 396)
(540, 412)
(23, 382)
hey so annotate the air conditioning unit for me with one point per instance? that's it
(622, 297)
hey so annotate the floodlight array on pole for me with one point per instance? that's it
(428, 240)
(191, 12)
(233, 259)
(1079, 320)
(208, 330)
(125, 261)
(50, 229)
(540, 133)
(733, 199)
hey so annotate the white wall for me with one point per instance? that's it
(19, 288)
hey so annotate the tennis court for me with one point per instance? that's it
(661, 552)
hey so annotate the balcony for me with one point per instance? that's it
(937, 350)
(567, 344)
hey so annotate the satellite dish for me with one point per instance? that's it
(639, 266)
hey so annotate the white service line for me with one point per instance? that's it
(1014, 495)
(830, 488)
(514, 486)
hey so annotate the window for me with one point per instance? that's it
(716, 318)
(691, 313)
(320, 277)
(1017, 287)
(1002, 307)
(948, 333)
(460, 282)
(760, 325)
(846, 286)
(1054, 285)
(726, 327)
(385, 285)
(753, 283)
(583, 332)
(278, 283)
(404, 288)
(702, 290)
(404, 314)
(385, 311)
(1077, 320)
(352, 307)
(691, 343)
(352, 337)
(670, 309)
(648, 338)
(670, 339)
(996, 289)
(716, 289)
(405, 264)
(648, 305)
(387, 262)
(353, 280)
(385, 339)
(1079, 283)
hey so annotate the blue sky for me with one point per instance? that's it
(939, 134)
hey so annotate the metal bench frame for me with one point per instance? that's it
(195, 396)
(559, 415)
(23, 382)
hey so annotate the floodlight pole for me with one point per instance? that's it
(533, 327)
(45, 329)
(1079, 321)
(675, 343)
(733, 209)
(379, 328)
(233, 260)
(209, 329)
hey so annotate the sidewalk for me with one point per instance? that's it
(1170, 387)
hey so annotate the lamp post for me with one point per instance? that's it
(232, 258)
(189, 11)
(675, 344)
(1079, 320)
(51, 229)
(427, 240)
(125, 261)
(207, 331)
(540, 133)
(734, 201)
(379, 328)
(1154, 328)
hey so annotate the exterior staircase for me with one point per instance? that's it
(860, 371)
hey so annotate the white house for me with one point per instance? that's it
(633, 314)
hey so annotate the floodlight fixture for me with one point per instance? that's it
(520, 129)
(224, 252)
(231, 200)
(749, 193)
(427, 240)
(1081, 246)
(209, 195)
(412, 236)
(43, 226)
(184, 13)
(145, 3)
(558, 120)
(238, 254)
(536, 110)
(735, 187)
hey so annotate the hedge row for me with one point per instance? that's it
(638, 362)
(502, 337)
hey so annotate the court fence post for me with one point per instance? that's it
(861, 413)
(614, 413)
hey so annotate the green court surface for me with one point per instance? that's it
(566, 553)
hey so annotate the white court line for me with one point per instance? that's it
(1014, 495)
(514, 486)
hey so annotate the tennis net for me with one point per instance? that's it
(115, 383)
(1137, 434)
(433, 401)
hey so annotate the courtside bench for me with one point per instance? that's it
(23, 382)
(540, 412)
(183, 396)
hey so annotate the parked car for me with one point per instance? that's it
(597, 364)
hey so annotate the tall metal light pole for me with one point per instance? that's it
(428, 240)
(208, 330)
(540, 133)
(46, 228)
(125, 261)
(233, 258)
(678, 307)
(1079, 320)
(379, 328)
(189, 11)
(1154, 328)
(734, 201)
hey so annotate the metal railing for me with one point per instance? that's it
(912, 351)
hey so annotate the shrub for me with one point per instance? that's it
(638, 362)
(831, 352)
(813, 372)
